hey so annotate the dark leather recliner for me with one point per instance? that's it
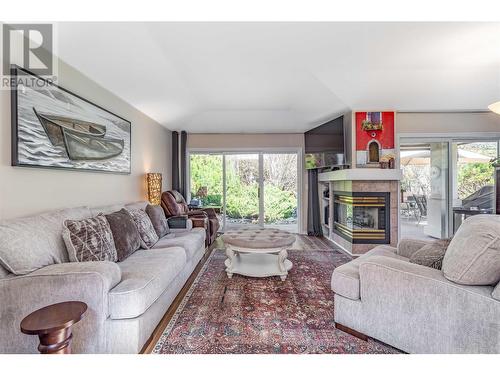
(174, 204)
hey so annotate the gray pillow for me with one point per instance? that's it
(145, 228)
(431, 255)
(125, 233)
(473, 256)
(158, 219)
(89, 240)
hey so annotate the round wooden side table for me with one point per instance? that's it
(53, 325)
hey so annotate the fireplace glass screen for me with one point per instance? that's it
(362, 217)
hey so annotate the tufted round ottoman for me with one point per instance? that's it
(258, 252)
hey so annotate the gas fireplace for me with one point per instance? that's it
(362, 218)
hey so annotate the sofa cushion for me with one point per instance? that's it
(192, 241)
(144, 226)
(109, 272)
(345, 278)
(145, 275)
(89, 240)
(125, 233)
(473, 256)
(431, 255)
(34, 242)
(158, 219)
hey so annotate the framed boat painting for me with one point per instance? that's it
(54, 128)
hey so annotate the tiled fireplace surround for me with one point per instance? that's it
(390, 187)
(355, 182)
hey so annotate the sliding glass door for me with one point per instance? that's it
(473, 188)
(242, 190)
(424, 190)
(445, 181)
(206, 182)
(254, 189)
(280, 191)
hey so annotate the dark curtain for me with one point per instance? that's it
(313, 215)
(175, 161)
(183, 167)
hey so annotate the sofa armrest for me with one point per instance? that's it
(187, 228)
(418, 310)
(177, 222)
(88, 282)
(407, 246)
(199, 221)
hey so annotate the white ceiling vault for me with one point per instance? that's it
(285, 77)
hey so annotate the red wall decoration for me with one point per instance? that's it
(374, 139)
(384, 136)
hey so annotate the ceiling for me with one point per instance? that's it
(285, 77)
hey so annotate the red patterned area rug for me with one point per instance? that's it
(263, 315)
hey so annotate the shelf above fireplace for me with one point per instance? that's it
(362, 174)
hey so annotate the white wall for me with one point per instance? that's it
(237, 140)
(25, 191)
(450, 123)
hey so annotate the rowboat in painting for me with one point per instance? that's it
(91, 147)
(82, 140)
(55, 125)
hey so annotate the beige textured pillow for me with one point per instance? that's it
(89, 240)
(473, 256)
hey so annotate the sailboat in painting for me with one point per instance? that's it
(83, 140)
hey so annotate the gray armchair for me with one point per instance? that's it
(418, 309)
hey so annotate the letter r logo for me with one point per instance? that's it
(29, 46)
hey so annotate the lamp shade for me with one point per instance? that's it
(495, 107)
(154, 188)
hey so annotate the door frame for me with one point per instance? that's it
(449, 139)
(260, 151)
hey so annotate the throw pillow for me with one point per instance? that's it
(431, 255)
(89, 240)
(158, 219)
(145, 228)
(125, 233)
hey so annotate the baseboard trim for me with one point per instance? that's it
(352, 332)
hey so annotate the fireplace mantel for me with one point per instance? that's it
(362, 174)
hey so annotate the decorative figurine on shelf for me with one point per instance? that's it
(387, 161)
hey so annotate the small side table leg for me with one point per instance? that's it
(229, 261)
(282, 255)
(58, 342)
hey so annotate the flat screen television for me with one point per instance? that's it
(324, 145)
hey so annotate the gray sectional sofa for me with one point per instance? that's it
(419, 309)
(126, 300)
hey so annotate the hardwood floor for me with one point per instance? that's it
(302, 243)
